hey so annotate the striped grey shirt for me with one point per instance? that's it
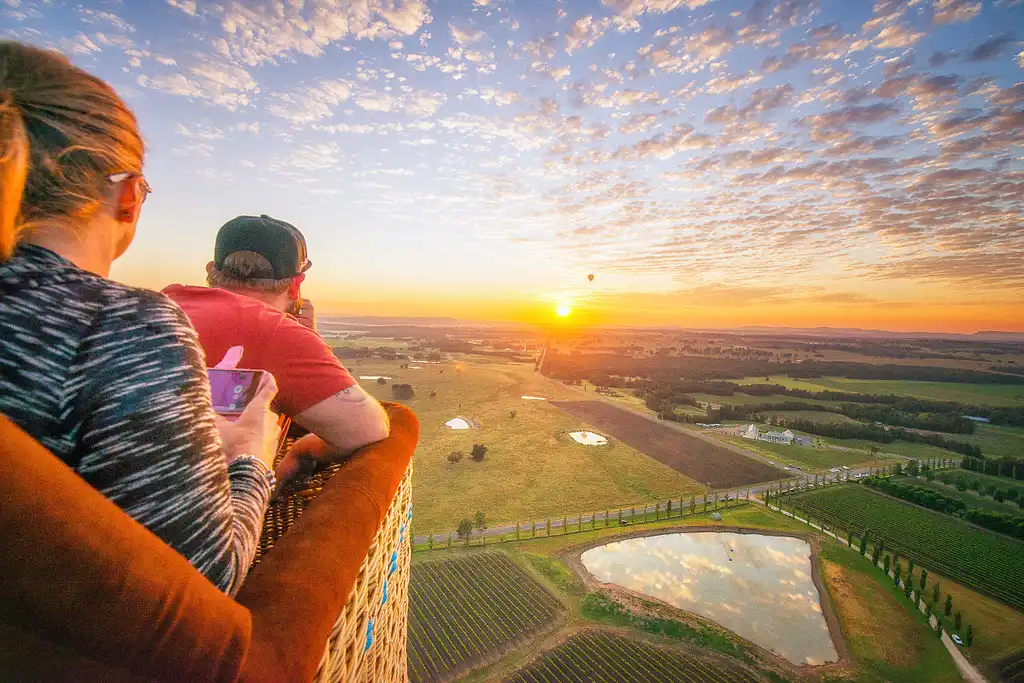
(112, 380)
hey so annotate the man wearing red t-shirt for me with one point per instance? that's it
(254, 302)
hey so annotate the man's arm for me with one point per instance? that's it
(347, 421)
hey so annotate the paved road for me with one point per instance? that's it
(967, 670)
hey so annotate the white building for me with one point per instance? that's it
(785, 437)
(751, 432)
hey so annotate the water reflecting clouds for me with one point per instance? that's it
(757, 586)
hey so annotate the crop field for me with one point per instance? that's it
(976, 394)
(599, 657)
(466, 610)
(977, 558)
(694, 457)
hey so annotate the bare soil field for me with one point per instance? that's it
(690, 455)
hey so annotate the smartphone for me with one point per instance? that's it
(233, 389)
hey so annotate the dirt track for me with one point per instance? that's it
(698, 459)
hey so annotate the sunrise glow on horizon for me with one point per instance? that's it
(716, 163)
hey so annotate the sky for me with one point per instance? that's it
(713, 163)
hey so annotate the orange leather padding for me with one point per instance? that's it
(297, 592)
(89, 595)
(79, 572)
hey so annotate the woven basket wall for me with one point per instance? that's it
(368, 642)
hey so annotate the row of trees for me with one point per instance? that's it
(913, 589)
(920, 495)
(665, 367)
(1000, 467)
(849, 430)
(905, 411)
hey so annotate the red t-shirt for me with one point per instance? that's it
(306, 369)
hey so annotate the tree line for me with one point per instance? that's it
(1000, 522)
(998, 467)
(574, 365)
(849, 430)
(930, 414)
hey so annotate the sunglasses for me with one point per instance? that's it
(121, 177)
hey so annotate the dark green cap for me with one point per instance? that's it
(280, 243)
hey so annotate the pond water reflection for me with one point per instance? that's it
(760, 587)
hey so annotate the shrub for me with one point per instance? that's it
(478, 452)
(402, 392)
(454, 457)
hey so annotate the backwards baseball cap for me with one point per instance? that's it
(279, 242)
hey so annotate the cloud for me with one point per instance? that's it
(466, 36)
(638, 123)
(585, 32)
(312, 104)
(852, 116)
(726, 84)
(897, 36)
(955, 11)
(634, 8)
(264, 31)
(187, 6)
(224, 84)
(991, 49)
(666, 145)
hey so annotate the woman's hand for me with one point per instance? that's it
(256, 431)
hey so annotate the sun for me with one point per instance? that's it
(563, 310)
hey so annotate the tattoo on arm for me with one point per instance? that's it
(354, 394)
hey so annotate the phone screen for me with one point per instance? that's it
(232, 389)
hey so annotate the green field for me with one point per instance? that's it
(466, 609)
(970, 498)
(976, 394)
(996, 441)
(816, 416)
(802, 456)
(595, 656)
(862, 603)
(741, 399)
(907, 449)
(975, 557)
(532, 468)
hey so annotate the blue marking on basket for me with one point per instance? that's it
(384, 599)
(369, 635)
(394, 563)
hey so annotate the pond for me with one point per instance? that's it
(457, 423)
(759, 587)
(588, 438)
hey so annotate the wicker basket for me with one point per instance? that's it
(368, 641)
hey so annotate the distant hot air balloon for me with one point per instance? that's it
(590, 277)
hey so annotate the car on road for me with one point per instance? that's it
(956, 639)
(788, 467)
